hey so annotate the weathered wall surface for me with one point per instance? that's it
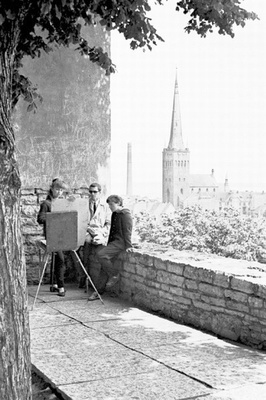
(69, 135)
(209, 294)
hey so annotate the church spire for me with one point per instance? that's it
(176, 139)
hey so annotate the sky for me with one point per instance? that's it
(222, 92)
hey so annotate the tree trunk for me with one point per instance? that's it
(15, 366)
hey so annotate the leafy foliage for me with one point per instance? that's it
(61, 22)
(228, 233)
(214, 13)
(29, 27)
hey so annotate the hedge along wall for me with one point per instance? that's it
(209, 297)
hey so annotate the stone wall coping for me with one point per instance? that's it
(250, 271)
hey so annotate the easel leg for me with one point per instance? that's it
(52, 273)
(40, 281)
(41, 261)
(88, 276)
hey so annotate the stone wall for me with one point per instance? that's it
(31, 231)
(224, 296)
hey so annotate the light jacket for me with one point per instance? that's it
(99, 223)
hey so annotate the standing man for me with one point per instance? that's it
(97, 232)
(119, 240)
(56, 190)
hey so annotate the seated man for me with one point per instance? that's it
(97, 232)
(118, 241)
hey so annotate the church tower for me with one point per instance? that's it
(175, 160)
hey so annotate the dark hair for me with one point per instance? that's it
(97, 185)
(54, 180)
(59, 184)
(114, 198)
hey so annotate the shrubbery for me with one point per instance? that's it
(227, 233)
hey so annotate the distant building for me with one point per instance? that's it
(155, 208)
(181, 188)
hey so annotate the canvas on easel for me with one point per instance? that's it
(80, 205)
(61, 231)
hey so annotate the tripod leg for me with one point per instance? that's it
(40, 281)
(88, 276)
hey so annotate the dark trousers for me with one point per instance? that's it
(90, 252)
(59, 269)
(105, 257)
(90, 261)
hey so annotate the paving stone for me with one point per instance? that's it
(118, 352)
(44, 316)
(84, 354)
(90, 312)
(44, 295)
(214, 361)
(246, 392)
(67, 338)
(162, 384)
(217, 363)
(138, 327)
(94, 310)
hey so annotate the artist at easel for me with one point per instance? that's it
(56, 190)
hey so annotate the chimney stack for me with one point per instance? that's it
(129, 169)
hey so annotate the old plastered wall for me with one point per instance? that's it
(224, 296)
(69, 135)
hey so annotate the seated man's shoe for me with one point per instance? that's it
(61, 293)
(53, 288)
(112, 281)
(94, 296)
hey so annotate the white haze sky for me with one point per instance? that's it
(222, 89)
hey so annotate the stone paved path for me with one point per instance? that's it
(116, 351)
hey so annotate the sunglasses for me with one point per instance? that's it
(93, 191)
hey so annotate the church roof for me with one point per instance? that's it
(153, 207)
(207, 203)
(199, 180)
(158, 208)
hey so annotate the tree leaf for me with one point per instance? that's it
(30, 107)
(2, 19)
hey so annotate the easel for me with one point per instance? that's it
(62, 234)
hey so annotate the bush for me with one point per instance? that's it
(228, 233)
